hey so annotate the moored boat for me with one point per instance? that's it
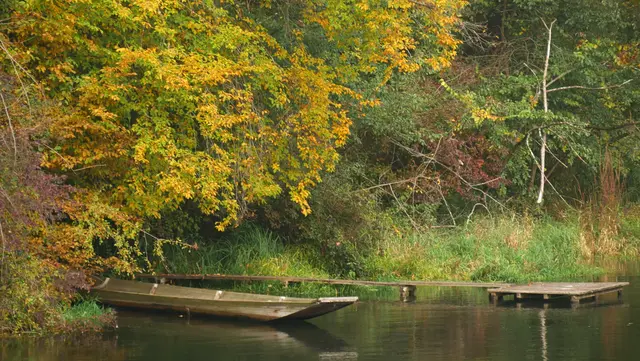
(214, 302)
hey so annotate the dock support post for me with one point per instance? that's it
(495, 298)
(407, 293)
(575, 300)
(619, 295)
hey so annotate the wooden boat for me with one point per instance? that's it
(217, 303)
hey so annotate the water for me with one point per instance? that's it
(444, 324)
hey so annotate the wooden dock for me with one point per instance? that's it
(497, 290)
(407, 288)
(576, 292)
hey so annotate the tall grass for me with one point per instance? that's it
(506, 250)
(254, 251)
(610, 225)
(249, 250)
(516, 249)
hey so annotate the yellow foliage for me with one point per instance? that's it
(164, 101)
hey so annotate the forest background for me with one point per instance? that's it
(489, 140)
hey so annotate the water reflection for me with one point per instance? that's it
(560, 304)
(543, 334)
(76, 348)
(444, 324)
(227, 338)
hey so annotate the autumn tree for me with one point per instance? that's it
(166, 102)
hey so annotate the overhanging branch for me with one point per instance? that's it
(590, 88)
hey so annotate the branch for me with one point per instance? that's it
(546, 180)
(415, 225)
(559, 161)
(88, 167)
(446, 203)
(620, 137)
(13, 133)
(384, 185)
(473, 211)
(466, 182)
(589, 88)
(4, 248)
(616, 127)
(430, 6)
(531, 151)
(559, 77)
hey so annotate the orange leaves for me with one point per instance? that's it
(628, 55)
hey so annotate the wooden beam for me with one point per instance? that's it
(220, 277)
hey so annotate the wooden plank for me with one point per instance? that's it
(565, 289)
(220, 277)
(597, 294)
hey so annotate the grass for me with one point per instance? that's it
(249, 251)
(254, 251)
(86, 316)
(507, 249)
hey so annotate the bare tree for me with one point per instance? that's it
(545, 104)
(542, 132)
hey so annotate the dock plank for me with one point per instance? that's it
(221, 277)
(560, 288)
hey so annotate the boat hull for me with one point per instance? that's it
(216, 303)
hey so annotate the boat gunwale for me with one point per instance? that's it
(103, 287)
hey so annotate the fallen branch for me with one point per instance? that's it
(473, 211)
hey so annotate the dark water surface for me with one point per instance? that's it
(444, 324)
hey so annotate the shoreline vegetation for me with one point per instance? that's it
(513, 249)
(517, 250)
(85, 316)
(357, 139)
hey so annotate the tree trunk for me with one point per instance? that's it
(545, 102)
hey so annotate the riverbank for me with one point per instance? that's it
(37, 298)
(87, 316)
(516, 250)
(453, 324)
(82, 317)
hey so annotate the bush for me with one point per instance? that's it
(29, 302)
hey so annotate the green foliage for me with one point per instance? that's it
(87, 315)
(489, 250)
(32, 301)
(248, 250)
(177, 121)
(503, 249)
(28, 299)
(592, 81)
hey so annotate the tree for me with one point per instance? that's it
(167, 102)
(577, 67)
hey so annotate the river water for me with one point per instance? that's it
(443, 324)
